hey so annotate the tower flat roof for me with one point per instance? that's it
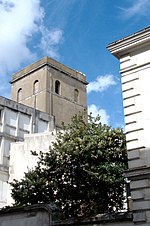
(52, 63)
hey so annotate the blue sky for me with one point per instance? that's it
(76, 33)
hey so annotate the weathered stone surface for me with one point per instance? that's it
(141, 205)
(138, 184)
(139, 217)
(137, 194)
(134, 154)
(47, 215)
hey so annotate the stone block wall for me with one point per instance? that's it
(134, 55)
(48, 215)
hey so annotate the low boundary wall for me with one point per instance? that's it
(47, 215)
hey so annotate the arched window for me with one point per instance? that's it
(36, 87)
(57, 87)
(19, 95)
(76, 95)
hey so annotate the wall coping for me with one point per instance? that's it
(100, 218)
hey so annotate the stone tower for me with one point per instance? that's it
(51, 87)
(134, 55)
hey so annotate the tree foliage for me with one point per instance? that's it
(82, 173)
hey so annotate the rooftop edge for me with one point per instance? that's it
(51, 62)
(129, 41)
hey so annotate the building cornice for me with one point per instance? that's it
(122, 46)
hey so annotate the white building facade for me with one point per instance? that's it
(134, 55)
(16, 120)
(21, 158)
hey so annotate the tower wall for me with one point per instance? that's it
(51, 87)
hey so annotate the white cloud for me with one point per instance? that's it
(101, 83)
(138, 7)
(95, 110)
(19, 21)
(50, 41)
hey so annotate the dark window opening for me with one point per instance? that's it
(36, 87)
(57, 87)
(19, 95)
(76, 95)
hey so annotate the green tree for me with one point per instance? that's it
(82, 173)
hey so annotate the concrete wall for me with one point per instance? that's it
(47, 215)
(64, 106)
(30, 216)
(21, 159)
(26, 83)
